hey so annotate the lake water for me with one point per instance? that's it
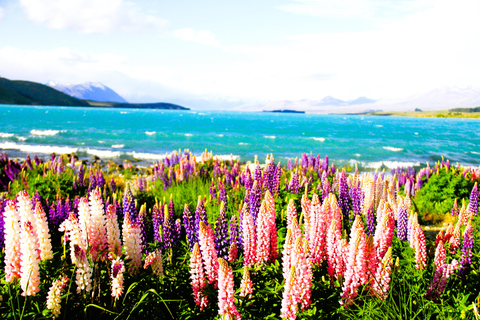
(370, 141)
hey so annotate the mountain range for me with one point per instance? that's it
(94, 91)
(19, 92)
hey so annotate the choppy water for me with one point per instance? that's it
(370, 141)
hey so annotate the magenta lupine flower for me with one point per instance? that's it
(440, 255)
(209, 254)
(54, 296)
(466, 256)
(249, 240)
(270, 207)
(381, 283)
(226, 299)
(197, 275)
(232, 252)
(440, 280)
(473, 205)
(455, 238)
(233, 231)
(246, 286)
(113, 233)
(2, 224)
(118, 268)
(303, 274)
(200, 214)
(356, 266)
(263, 236)
(289, 301)
(255, 199)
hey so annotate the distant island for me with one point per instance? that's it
(19, 92)
(284, 111)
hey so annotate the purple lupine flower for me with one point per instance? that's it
(93, 182)
(157, 219)
(455, 210)
(258, 174)
(357, 200)
(100, 179)
(473, 205)
(466, 256)
(370, 222)
(276, 181)
(200, 215)
(168, 230)
(2, 224)
(28, 162)
(233, 230)
(81, 175)
(222, 193)
(221, 234)
(37, 160)
(255, 199)
(248, 179)
(343, 198)
(294, 184)
(129, 205)
(113, 185)
(289, 165)
(177, 232)
(52, 217)
(189, 225)
(171, 207)
(213, 191)
(402, 223)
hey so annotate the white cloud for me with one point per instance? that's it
(90, 16)
(2, 12)
(204, 37)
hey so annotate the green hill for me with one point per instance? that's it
(33, 93)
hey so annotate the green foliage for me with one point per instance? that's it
(436, 198)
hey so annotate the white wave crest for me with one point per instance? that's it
(146, 156)
(103, 153)
(118, 146)
(243, 144)
(188, 135)
(474, 152)
(150, 133)
(319, 139)
(37, 148)
(270, 137)
(393, 149)
(44, 132)
(6, 135)
(390, 164)
(227, 157)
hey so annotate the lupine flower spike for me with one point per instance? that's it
(226, 299)
(246, 286)
(54, 296)
(197, 275)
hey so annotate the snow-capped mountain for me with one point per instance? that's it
(95, 91)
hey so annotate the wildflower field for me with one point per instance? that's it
(205, 238)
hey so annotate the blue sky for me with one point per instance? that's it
(245, 51)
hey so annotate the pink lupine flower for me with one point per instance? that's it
(113, 233)
(246, 286)
(440, 255)
(83, 222)
(232, 252)
(371, 259)
(334, 251)
(154, 259)
(356, 266)
(384, 231)
(263, 236)
(270, 207)
(420, 248)
(12, 242)
(440, 280)
(455, 238)
(132, 241)
(306, 204)
(197, 276)
(382, 277)
(54, 296)
(43, 233)
(291, 212)
(369, 191)
(97, 231)
(83, 272)
(316, 239)
(209, 254)
(288, 248)
(249, 241)
(118, 268)
(303, 274)
(72, 232)
(30, 258)
(336, 213)
(289, 301)
(226, 299)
